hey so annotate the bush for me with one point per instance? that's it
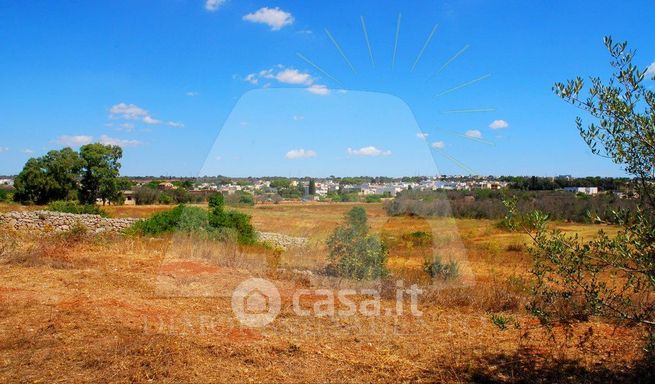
(180, 218)
(353, 252)
(5, 195)
(219, 218)
(418, 238)
(165, 198)
(445, 271)
(240, 198)
(76, 208)
(217, 222)
(373, 198)
(146, 196)
(502, 322)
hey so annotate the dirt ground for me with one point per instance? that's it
(129, 309)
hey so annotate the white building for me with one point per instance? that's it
(585, 190)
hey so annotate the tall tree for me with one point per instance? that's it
(100, 173)
(312, 187)
(64, 166)
(54, 176)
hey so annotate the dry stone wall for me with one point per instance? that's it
(58, 221)
(281, 240)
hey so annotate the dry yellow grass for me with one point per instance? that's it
(124, 309)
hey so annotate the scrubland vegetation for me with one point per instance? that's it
(61, 290)
(488, 204)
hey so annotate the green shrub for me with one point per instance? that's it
(353, 252)
(165, 198)
(77, 208)
(5, 195)
(180, 218)
(219, 218)
(438, 269)
(502, 321)
(347, 197)
(220, 224)
(216, 201)
(146, 196)
(418, 238)
(240, 198)
(373, 198)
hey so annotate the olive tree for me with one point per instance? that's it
(354, 253)
(609, 276)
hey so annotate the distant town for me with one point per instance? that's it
(151, 190)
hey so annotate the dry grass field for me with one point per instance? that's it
(81, 308)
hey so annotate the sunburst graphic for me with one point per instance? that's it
(422, 76)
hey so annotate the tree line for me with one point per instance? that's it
(87, 175)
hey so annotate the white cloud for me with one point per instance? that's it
(288, 76)
(252, 78)
(422, 135)
(128, 127)
(498, 124)
(473, 134)
(128, 111)
(368, 151)
(151, 120)
(28, 151)
(4, 149)
(213, 5)
(74, 141)
(298, 117)
(192, 93)
(273, 17)
(104, 139)
(293, 76)
(438, 145)
(300, 154)
(281, 75)
(133, 112)
(650, 71)
(318, 89)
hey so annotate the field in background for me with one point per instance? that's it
(99, 309)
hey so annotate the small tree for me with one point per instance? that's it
(611, 277)
(219, 218)
(353, 252)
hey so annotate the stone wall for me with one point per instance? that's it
(281, 240)
(58, 221)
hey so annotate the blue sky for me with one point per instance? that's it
(197, 87)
